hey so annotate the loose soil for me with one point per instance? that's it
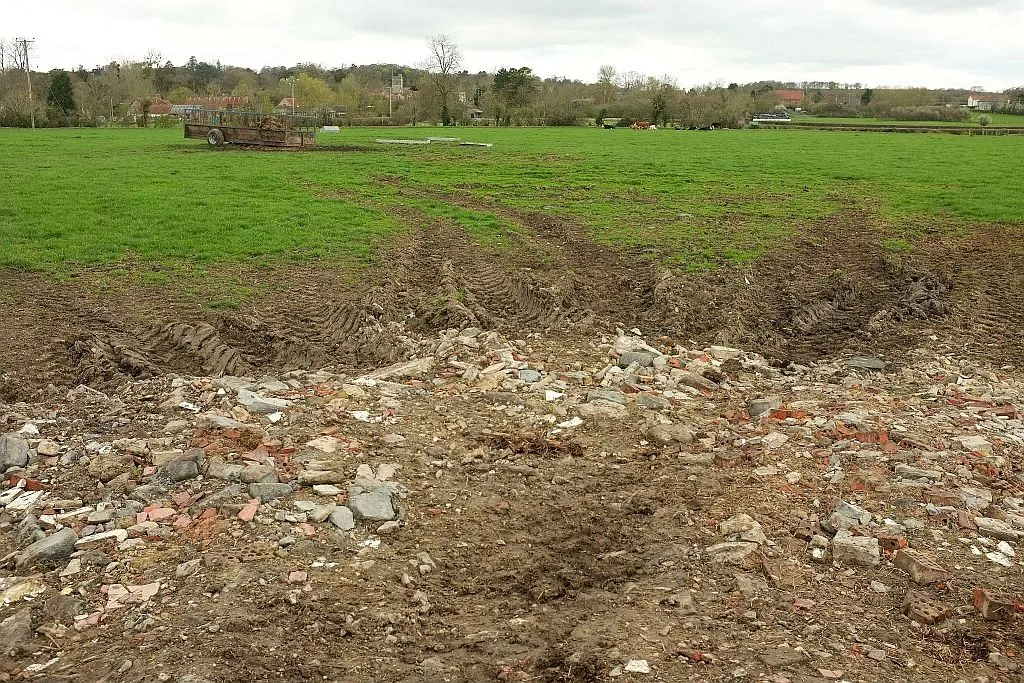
(550, 570)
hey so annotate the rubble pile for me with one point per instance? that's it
(842, 520)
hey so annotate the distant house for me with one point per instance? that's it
(475, 113)
(219, 102)
(287, 105)
(790, 97)
(979, 102)
(157, 106)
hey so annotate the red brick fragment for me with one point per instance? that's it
(991, 606)
(925, 609)
(922, 568)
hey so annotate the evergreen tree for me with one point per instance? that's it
(61, 96)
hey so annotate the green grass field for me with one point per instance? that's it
(74, 198)
(997, 120)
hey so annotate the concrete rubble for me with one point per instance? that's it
(794, 512)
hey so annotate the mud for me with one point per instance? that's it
(833, 289)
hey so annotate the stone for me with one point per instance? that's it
(996, 528)
(644, 360)
(63, 608)
(252, 474)
(782, 657)
(320, 513)
(670, 434)
(922, 569)
(1003, 662)
(412, 368)
(106, 466)
(187, 569)
(975, 444)
(924, 609)
(743, 527)
(48, 552)
(326, 490)
(908, 472)
(603, 411)
(530, 376)
(117, 535)
(606, 396)
(342, 518)
(773, 440)
(101, 516)
(262, 405)
(975, 498)
(225, 495)
(879, 587)
(855, 550)
(388, 528)
(180, 470)
(652, 402)
(694, 381)
(732, 552)
(16, 630)
(265, 492)
(993, 607)
(846, 515)
(637, 666)
(47, 448)
(373, 505)
(865, 363)
(13, 451)
(315, 477)
(763, 406)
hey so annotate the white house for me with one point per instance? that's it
(980, 102)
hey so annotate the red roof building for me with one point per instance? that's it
(219, 102)
(790, 97)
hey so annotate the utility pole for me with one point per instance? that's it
(28, 77)
(391, 91)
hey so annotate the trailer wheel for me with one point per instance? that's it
(215, 137)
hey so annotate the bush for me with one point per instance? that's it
(625, 122)
(921, 113)
(565, 119)
(984, 120)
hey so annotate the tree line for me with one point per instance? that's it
(439, 90)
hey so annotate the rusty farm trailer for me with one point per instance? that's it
(221, 127)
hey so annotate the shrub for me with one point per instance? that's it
(984, 120)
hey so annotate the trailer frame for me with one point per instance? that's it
(231, 127)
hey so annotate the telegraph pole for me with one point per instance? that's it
(28, 77)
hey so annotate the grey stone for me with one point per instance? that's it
(782, 657)
(529, 376)
(645, 360)
(224, 471)
(763, 406)
(253, 474)
(269, 491)
(101, 516)
(653, 402)
(180, 470)
(343, 518)
(187, 569)
(731, 552)
(219, 422)
(262, 405)
(16, 630)
(13, 451)
(320, 513)
(69, 458)
(49, 551)
(996, 528)
(225, 495)
(670, 434)
(63, 608)
(910, 472)
(855, 550)
(695, 381)
(373, 505)
(865, 363)
(743, 527)
(606, 396)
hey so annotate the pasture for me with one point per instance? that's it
(77, 199)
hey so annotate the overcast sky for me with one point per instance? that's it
(954, 43)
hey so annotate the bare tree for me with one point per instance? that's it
(443, 64)
(606, 83)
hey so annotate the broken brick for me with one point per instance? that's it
(921, 568)
(924, 609)
(991, 606)
(891, 542)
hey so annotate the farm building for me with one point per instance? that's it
(219, 102)
(980, 102)
(790, 97)
(157, 106)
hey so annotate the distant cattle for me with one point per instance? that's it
(641, 125)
